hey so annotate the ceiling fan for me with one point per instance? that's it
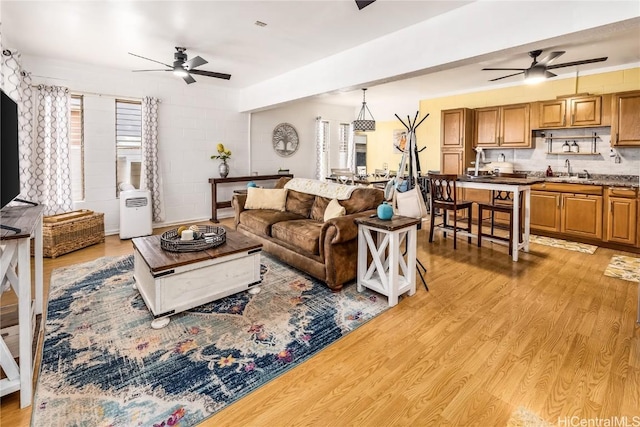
(183, 68)
(540, 69)
(363, 3)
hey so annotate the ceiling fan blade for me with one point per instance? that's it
(550, 57)
(503, 69)
(149, 59)
(189, 79)
(549, 74)
(194, 62)
(137, 71)
(504, 77)
(570, 64)
(363, 3)
(211, 74)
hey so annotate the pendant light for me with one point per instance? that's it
(361, 124)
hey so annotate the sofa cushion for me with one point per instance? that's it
(260, 220)
(266, 198)
(318, 208)
(363, 199)
(299, 203)
(334, 209)
(303, 234)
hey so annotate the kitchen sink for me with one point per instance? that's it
(575, 178)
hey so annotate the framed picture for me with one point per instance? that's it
(399, 140)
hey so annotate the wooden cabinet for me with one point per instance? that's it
(578, 111)
(581, 215)
(569, 209)
(503, 126)
(545, 211)
(621, 207)
(456, 133)
(625, 127)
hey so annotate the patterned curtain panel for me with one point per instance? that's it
(351, 150)
(49, 178)
(150, 165)
(16, 83)
(321, 163)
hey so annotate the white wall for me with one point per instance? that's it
(192, 120)
(302, 115)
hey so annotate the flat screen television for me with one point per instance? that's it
(9, 155)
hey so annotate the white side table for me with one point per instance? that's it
(15, 271)
(389, 273)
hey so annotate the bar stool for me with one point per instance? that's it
(444, 196)
(501, 201)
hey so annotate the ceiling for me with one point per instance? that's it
(297, 33)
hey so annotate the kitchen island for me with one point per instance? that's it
(515, 185)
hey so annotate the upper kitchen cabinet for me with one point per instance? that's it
(503, 126)
(577, 111)
(625, 129)
(456, 132)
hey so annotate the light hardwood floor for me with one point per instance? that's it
(549, 333)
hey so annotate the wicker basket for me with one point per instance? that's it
(170, 241)
(71, 231)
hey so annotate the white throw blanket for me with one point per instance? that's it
(330, 190)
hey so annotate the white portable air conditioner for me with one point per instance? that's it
(135, 213)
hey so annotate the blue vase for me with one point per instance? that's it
(385, 211)
(251, 184)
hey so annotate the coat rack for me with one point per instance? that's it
(412, 149)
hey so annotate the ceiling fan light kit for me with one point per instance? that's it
(362, 124)
(539, 70)
(184, 68)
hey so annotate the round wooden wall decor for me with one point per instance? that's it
(285, 140)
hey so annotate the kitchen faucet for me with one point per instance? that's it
(567, 164)
(587, 173)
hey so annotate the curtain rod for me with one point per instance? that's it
(81, 92)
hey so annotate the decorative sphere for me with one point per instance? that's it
(385, 211)
(251, 184)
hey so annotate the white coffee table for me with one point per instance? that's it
(172, 282)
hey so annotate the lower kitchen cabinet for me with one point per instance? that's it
(621, 215)
(545, 211)
(581, 215)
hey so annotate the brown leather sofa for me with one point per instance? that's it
(300, 237)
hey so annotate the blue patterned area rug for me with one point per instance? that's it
(103, 365)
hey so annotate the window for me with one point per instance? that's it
(344, 137)
(128, 143)
(76, 149)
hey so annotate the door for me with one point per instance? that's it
(452, 162)
(487, 127)
(514, 130)
(552, 114)
(585, 111)
(582, 215)
(626, 119)
(621, 220)
(453, 128)
(545, 211)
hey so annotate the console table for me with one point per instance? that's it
(15, 271)
(215, 204)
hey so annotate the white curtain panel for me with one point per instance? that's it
(351, 150)
(321, 161)
(50, 173)
(16, 83)
(150, 165)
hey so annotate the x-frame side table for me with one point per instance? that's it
(389, 273)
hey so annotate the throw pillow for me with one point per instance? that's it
(266, 198)
(334, 210)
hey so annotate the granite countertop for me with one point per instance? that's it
(630, 181)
